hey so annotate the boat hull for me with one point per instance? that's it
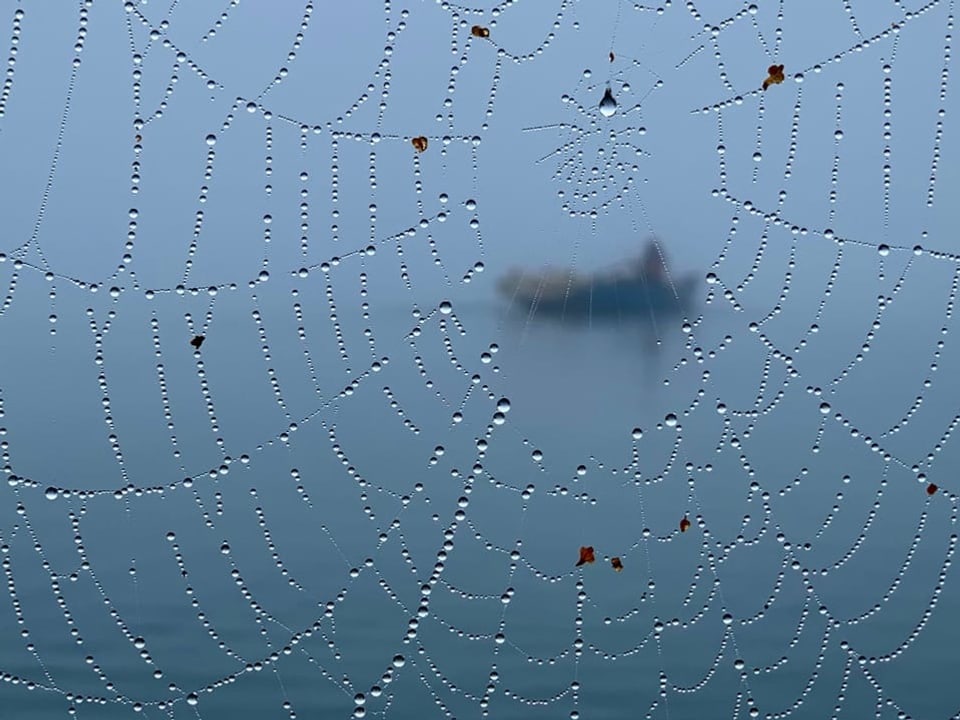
(610, 298)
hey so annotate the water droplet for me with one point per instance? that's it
(757, 157)
(399, 661)
(825, 407)
(52, 493)
(608, 106)
(211, 140)
(883, 249)
(670, 420)
(445, 307)
(225, 549)
(192, 699)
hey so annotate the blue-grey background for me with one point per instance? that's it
(330, 446)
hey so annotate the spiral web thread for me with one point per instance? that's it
(324, 506)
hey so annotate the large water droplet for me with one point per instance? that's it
(608, 106)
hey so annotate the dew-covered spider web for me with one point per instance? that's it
(328, 387)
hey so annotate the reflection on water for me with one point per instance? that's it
(573, 380)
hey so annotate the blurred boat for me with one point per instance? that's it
(643, 289)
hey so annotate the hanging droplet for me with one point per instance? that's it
(608, 106)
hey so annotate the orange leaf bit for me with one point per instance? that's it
(616, 564)
(197, 341)
(775, 76)
(931, 488)
(419, 143)
(684, 524)
(480, 31)
(586, 555)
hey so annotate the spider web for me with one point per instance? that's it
(275, 448)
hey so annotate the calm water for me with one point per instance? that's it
(575, 394)
(383, 512)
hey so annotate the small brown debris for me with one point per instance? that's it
(616, 564)
(774, 76)
(586, 555)
(684, 524)
(419, 143)
(931, 488)
(480, 31)
(198, 341)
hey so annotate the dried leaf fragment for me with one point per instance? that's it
(419, 143)
(774, 76)
(480, 31)
(931, 488)
(197, 341)
(684, 524)
(616, 564)
(586, 555)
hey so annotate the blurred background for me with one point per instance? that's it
(332, 336)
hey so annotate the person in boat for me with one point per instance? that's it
(652, 264)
